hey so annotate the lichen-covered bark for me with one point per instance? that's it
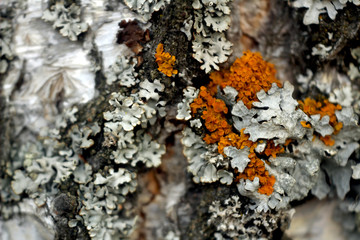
(97, 167)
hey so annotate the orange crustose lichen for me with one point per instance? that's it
(256, 168)
(324, 107)
(165, 61)
(235, 140)
(248, 75)
(213, 113)
(305, 124)
(272, 150)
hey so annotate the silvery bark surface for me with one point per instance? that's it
(53, 66)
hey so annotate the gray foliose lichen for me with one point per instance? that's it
(317, 7)
(66, 18)
(211, 20)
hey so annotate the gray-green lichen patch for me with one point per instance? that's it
(123, 72)
(184, 112)
(66, 18)
(205, 163)
(210, 46)
(145, 8)
(232, 219)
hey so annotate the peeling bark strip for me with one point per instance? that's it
(156, 119)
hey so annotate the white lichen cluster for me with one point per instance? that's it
(328, 81)
(102, 196)
(233, 219)
(211, 20)
(183, 108)
(317, 7)
(321, 50)
(125, 129)
(122, 72)
(51, 163)
(58, 160)
(145, 8)
(337, 163)
(337, 171)
(205, 163)
(277, 117)
(67, 19)
(45, 167)
(128, 120)
(38, 170)
(337, 85)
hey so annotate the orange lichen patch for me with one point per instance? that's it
(267, 184)
(337, 127)
(305, 124)
(256, 168)
(327, 140)
(165, 61)
(248, 75)
(312, 107)
(214, 111)
(272, 150)
(237, 141)
(324, 108)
